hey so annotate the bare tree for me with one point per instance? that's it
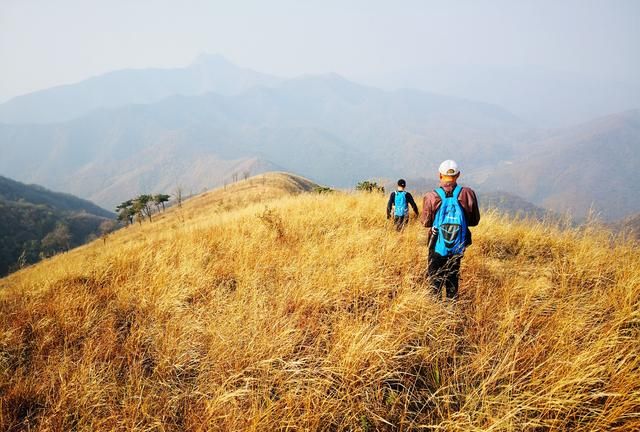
(57, 240)
(235, 177)
(178, 194)
(107, 227)
(246, 174)
(22, 259)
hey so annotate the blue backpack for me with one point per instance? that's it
(451, 224)
(401, 206)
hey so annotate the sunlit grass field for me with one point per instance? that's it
(258, 308)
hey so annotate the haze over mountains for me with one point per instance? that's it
(129, 132)
(131, 86)
(540, 96)
(590, 165)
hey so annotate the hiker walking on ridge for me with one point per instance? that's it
(400, 201)
(448, 212)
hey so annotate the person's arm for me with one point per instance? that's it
(413, 204)
(469, 203)
(390, 203)
(426, 218)
(429, 208)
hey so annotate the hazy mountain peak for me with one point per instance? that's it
(332, 76)
(208, 73)
(329, 81)
(630, 118)
(216, 60)
(326, 77)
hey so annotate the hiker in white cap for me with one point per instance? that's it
(448, 212)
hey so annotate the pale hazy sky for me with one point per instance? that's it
(49, 42)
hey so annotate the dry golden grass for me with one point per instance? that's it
(310, 312)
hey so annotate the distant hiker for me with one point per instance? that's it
(399, 201)
(448, 211)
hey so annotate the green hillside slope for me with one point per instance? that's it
(36, 222)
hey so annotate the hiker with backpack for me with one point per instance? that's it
(448, 212)
(399, 202)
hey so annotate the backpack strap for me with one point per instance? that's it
(456, 192)
(438, 215)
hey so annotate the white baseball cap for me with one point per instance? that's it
(449, 168)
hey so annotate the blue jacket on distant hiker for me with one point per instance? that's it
(399, 202)
(448, 212)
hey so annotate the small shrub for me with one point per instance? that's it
(273, 221)
(323, 190)
(369, 186)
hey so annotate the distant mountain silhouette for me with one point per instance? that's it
(592, 166)
(141, 131)
(544, 97)
(325, 127)
(515, 206)
(11, 190)
(131, 86)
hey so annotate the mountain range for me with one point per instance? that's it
(589, 168)
(208, 73)
(541, 96)
(129, 132)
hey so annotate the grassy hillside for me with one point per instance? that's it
(256, 189)
(266, 311)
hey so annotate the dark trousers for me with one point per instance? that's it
(444, 272)
(400, 222)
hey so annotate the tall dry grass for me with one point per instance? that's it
(312, 313)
